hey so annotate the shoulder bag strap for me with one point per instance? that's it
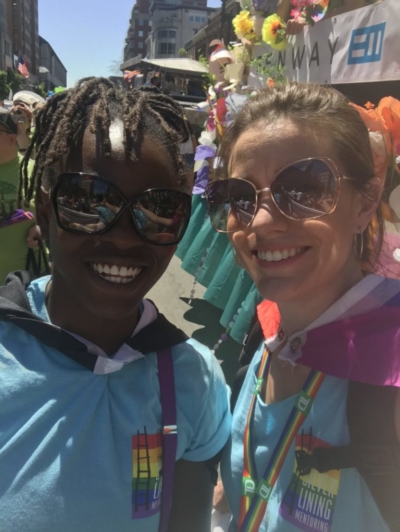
(170, 432)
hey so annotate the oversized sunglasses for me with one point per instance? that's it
(304, 190)
(89, 205)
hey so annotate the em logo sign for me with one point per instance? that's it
(366, 44)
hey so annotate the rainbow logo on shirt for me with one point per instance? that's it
(147, 474)
(309, 502)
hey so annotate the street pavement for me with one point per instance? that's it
(198, 318)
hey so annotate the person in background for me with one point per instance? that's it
(153, 82)
(18, 230)
(23, 110)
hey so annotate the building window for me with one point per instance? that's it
(140, 45)
(197, 18)
(140, 33)
(166, 48)
(141, 22)
(166, 34)
(150, 23)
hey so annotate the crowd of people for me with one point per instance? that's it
(112, 419)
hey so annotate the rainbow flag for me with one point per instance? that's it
(146, 475)
(357, 338)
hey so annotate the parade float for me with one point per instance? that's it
(355, 51)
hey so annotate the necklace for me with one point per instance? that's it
(256, 493)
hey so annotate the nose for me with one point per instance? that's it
(268, 217)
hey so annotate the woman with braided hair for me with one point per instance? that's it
(111, 417)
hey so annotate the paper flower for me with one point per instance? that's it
(273, 32)
(244, 26)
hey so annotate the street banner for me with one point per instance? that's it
(358, 46)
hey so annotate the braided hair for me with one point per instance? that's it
(94, 103)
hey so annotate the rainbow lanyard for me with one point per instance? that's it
(255, 495)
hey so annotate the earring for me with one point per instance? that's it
(358, 245)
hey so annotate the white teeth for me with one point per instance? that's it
(276, 256)
(116, 274)
(114, 270)
(285, 254)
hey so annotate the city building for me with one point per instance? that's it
(23, 32)
(219, 26)
(138, 31)
(6, 59)
(51, 71)
(174, 24)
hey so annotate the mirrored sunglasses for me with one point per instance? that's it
(305, 190)
(89, 205)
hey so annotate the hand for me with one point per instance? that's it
(34, 236)
(294, 27)
(219, 500)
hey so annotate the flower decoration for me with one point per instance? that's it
(311, 11)
(385, 118)
(273, 32)
(383, 123)
(243, 25)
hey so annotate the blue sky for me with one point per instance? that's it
(87, 35)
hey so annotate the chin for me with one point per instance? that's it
(282, 291)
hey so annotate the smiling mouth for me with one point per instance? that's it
(116, 274)
(277, 256)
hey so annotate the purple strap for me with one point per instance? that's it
(170, 432)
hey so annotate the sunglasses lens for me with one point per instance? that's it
(232, 204)
(86, 204)
(305, 190)
(162, 215)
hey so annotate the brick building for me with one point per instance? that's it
(139, 28)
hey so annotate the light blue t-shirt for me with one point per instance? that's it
(81, 452)
(336, 501)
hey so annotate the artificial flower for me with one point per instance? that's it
(243, 25)
(273, 32)
(383, 122)
(311, 11)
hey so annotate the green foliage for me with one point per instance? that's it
(182, 52)
(4, 87)
(262, 68)
(10, 80)
(15, 81)
(40, 89)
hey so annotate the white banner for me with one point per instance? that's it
(358, 46)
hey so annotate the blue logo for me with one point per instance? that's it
(367, 44)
